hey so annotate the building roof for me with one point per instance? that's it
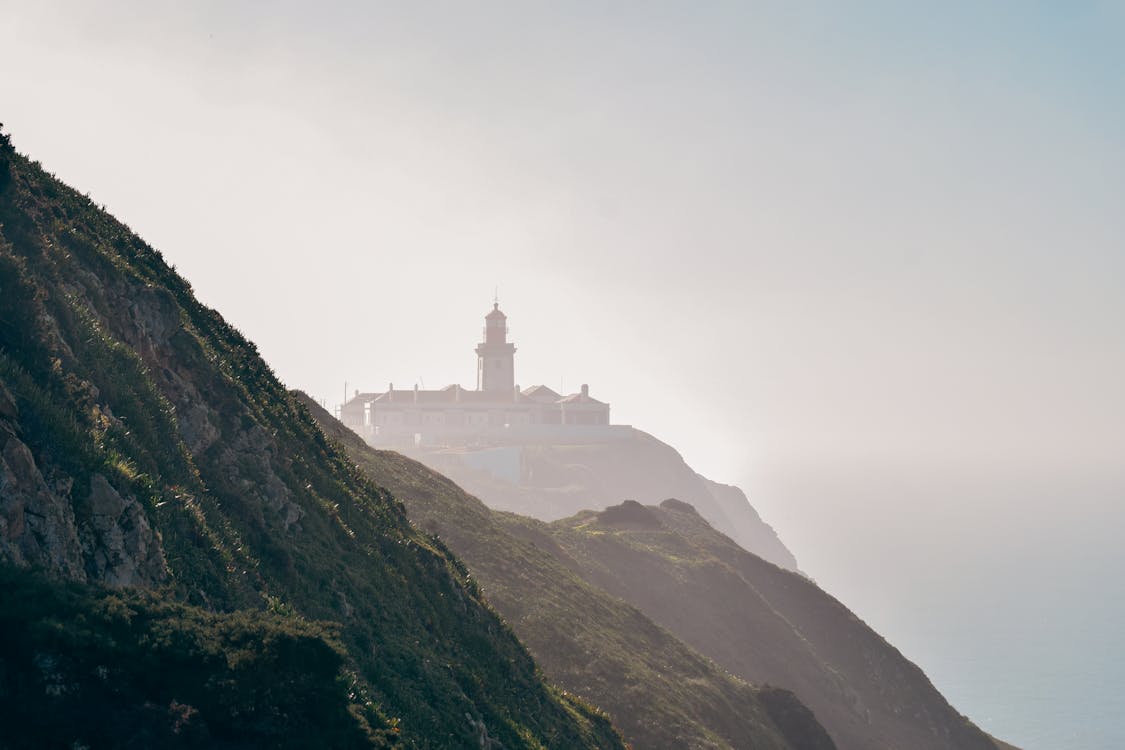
(455, 394)
(491, 397)
(360, 398)
(581, 398)
(452, 394)
(410, 396)
(496, 313)
(541, 393)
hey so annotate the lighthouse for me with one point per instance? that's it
(496, 355)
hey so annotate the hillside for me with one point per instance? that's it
(144, 443)
(761, 622)
(128, 668)
(660, 692)
(561, 480)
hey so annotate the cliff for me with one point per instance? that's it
(561, 480)
(144, 443)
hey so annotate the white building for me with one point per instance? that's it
(458, 416)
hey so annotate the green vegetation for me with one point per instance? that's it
(97, 668)
(119, 374)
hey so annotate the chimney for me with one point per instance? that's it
(415, 393)
(456, 392)
(585, 391)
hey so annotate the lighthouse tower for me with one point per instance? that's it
(496, 355)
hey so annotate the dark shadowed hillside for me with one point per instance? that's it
(661, 693)
(143, 442)
(128, 668)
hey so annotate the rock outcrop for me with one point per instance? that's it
(98, 535)
(120, 547)
(37, 525)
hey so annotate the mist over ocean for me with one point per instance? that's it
(1012, 603)
(1041, 673)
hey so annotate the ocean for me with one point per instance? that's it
(1010, 598)
(1041, 665)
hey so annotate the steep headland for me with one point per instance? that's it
(659, 691)
(144, 443)
(761, 622)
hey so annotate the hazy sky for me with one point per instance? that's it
(867, 262)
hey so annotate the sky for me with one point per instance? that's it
(865, 260)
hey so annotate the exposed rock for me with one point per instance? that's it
(110, 540)
(155, 317)
(484, 741)
(247, 461)
(36, 526)
(679, 506)
(196, 427)
(121, 548)
(8, 408)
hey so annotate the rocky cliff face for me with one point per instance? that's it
(144, 443)
(561, 480)
(97, 534)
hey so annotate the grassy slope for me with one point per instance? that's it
(764, 624)
(118, 371)
(661, 693)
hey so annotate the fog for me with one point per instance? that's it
(867, 264)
